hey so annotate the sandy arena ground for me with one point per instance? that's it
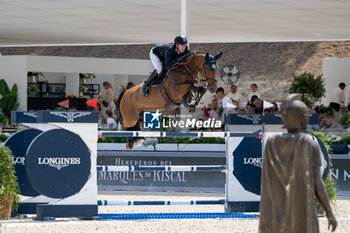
(72, 225)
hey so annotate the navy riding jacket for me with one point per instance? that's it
(168, 54)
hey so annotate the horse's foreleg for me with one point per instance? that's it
(194, 96)
(201, 91)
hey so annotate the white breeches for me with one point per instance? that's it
(156, 62)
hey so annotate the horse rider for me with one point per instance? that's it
(168, 55)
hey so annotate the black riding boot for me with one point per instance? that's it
(148, 81)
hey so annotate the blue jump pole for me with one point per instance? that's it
(168, 202)
(176, 134)
(175, 216)
(213, 168)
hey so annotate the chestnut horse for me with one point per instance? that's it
(179, 86)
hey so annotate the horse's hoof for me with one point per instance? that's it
(197, 103)
(139, 142)
(129, 145)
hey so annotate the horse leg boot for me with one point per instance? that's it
(190, 100)
(148, 81)
(201, 91)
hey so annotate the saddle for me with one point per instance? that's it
(160, 78)
(164, 74)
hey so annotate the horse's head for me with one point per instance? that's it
(209, 70)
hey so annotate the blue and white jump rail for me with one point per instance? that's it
(170, 202)
(165, 134)
(143, 216)
(174, 168)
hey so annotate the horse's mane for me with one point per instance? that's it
(190, 56)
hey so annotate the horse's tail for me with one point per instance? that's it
(118, 105)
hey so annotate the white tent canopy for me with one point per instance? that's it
(40, 22)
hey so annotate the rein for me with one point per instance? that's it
(190, 72)
(185, 69)
(206, 77)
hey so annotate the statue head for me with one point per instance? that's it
(295, 114)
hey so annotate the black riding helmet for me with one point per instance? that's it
(180, 40)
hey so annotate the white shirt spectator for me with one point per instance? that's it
(249, 97)
(235, 97)
(338, 96)
(110, 122)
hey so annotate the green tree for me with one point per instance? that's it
(345, 120)
(8, 101)
(311, 87)
(8, 179)
(329, 182)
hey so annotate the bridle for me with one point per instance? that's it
(206, 69)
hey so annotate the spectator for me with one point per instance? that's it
(110, 122)
(104, 108)
(226, 103)
(118, 120)
(234, 96)
(317, 106)
(325, 122)
(338, 97)
(255, 92)
(213, 111)
(99, 115)
(258, 103)
(109, 98)
(236, 104)
(241, 111)
(274, 108)
(251, 109)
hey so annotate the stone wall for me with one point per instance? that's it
(270, 64)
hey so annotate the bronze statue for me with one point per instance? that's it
(291, 177)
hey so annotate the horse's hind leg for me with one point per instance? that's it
(134, 141)
(138, 140)
(130, 140)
